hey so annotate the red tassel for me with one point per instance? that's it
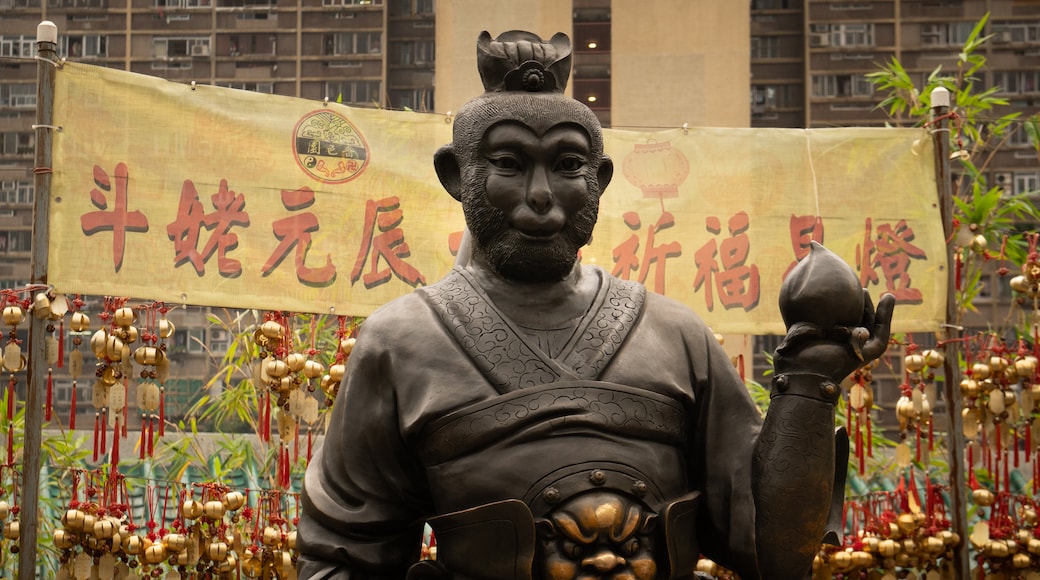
(151, 435)
(10, 398)
(50, 397)
(162, 411)
(859, 449)
(10, 444)
(72, 406)
(957, 271)
(141, 443)
(126, 416)
(97, 423)
(931, 434)
(309, 445)
(1007, 480)
(296, 442)
(115, 449)
(870, 436)
(740, 365)
(917, 429)
(1014, 439)
(265, 427)
(61, 344)
(104, 429)
(1029, 438)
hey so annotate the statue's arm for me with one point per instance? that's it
(364, 493)
(793, 465)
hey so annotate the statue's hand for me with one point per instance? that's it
(838, 351)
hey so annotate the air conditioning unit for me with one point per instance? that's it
(818, 40)
(219, 335)
(820, 28)
(1004, 180)
(1002, 36)
(200, 50)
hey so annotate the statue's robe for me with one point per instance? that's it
(447, 405)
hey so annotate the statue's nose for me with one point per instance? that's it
(539, 192)
(603, 562)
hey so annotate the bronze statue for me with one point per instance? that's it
(553, 422)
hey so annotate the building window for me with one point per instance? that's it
(356, 92)
(768, 98)
(166, 47)
(414, 52)
(255, 87)
(841, 86)
(1026, 181)
(770, 4)
(21, 95)
(76, 3)
(413, 99)
(352, 2)
(89, 45)
(15, 241)
(765, 47)
(842, 35)
(1017, 32)
(353, 43)
(946, 33)
(16, 192)
(11, 45)
(413, 7)
(17, 143)
(1017, 81)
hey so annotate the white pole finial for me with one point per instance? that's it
(47, 31)
(940, 97)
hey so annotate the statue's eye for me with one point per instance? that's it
(505, 162)
(570, 164)
(572, 550)
(630, 547)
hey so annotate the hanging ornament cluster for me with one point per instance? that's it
(213, 532)
(330, 383)
(9, 512)
(894, 533)
(281, 375)
(914, 407)
(858, 418)
(1006, 539)
(1001, 396)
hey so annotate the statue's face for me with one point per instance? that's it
(598, 536)
(531, 200)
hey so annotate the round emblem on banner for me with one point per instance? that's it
(329, 147)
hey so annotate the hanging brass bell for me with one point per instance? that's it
(79, 322)
(13, 315)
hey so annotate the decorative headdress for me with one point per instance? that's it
(521, 61)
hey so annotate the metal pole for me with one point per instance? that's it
(46, 50)
(951, 370)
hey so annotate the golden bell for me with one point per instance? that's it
(130, 334)
(79, 322)
(950, 538)
(5, 510)
(982, 497)
(175, 542)
(933, 545)
(11, 530)
(217, 551)
(996, 549)
(41, 305)
(13, 315)
(934, 358)
(1019, 284)
(272, 330)
(166, 328)
(155, 553)
(272, 537)
(104, 529)
(296, 360)
(64, 539)
(113, 348)
(842, 561)
(1028, 515)
(888, 547)
(252, 567)
(276, 368)
(1021, 560)
(1033, 546)
(134, 544)
(147, 355)
(336, 372)
(88, 523)
(191, 509)
(906, 523)
(214, 510)
(183, 558)
(124, 316)
(914, 362)
(347, 345)
(234, 500)
(227, 565)
(862, 559)
(969, 388)
(1025, 367)
(290, 540)
(980, 371)
(997, 364)
(313, 369)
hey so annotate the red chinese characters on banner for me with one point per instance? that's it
(736, 281)
(627, 260)
(186, 230)
(889, 248)
(384, 215)
(295, 232)
(119, 221)
(805, 229)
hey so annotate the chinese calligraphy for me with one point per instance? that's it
(295, 231)
(191, 219)
(119, 221)
(626, 261)
(737, 282)
(889, 249)
(389, 245)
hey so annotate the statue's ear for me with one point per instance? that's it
(605, 173)
(448, 171)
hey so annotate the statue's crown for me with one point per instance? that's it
(521, 61)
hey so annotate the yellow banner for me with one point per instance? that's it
(221, 197)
